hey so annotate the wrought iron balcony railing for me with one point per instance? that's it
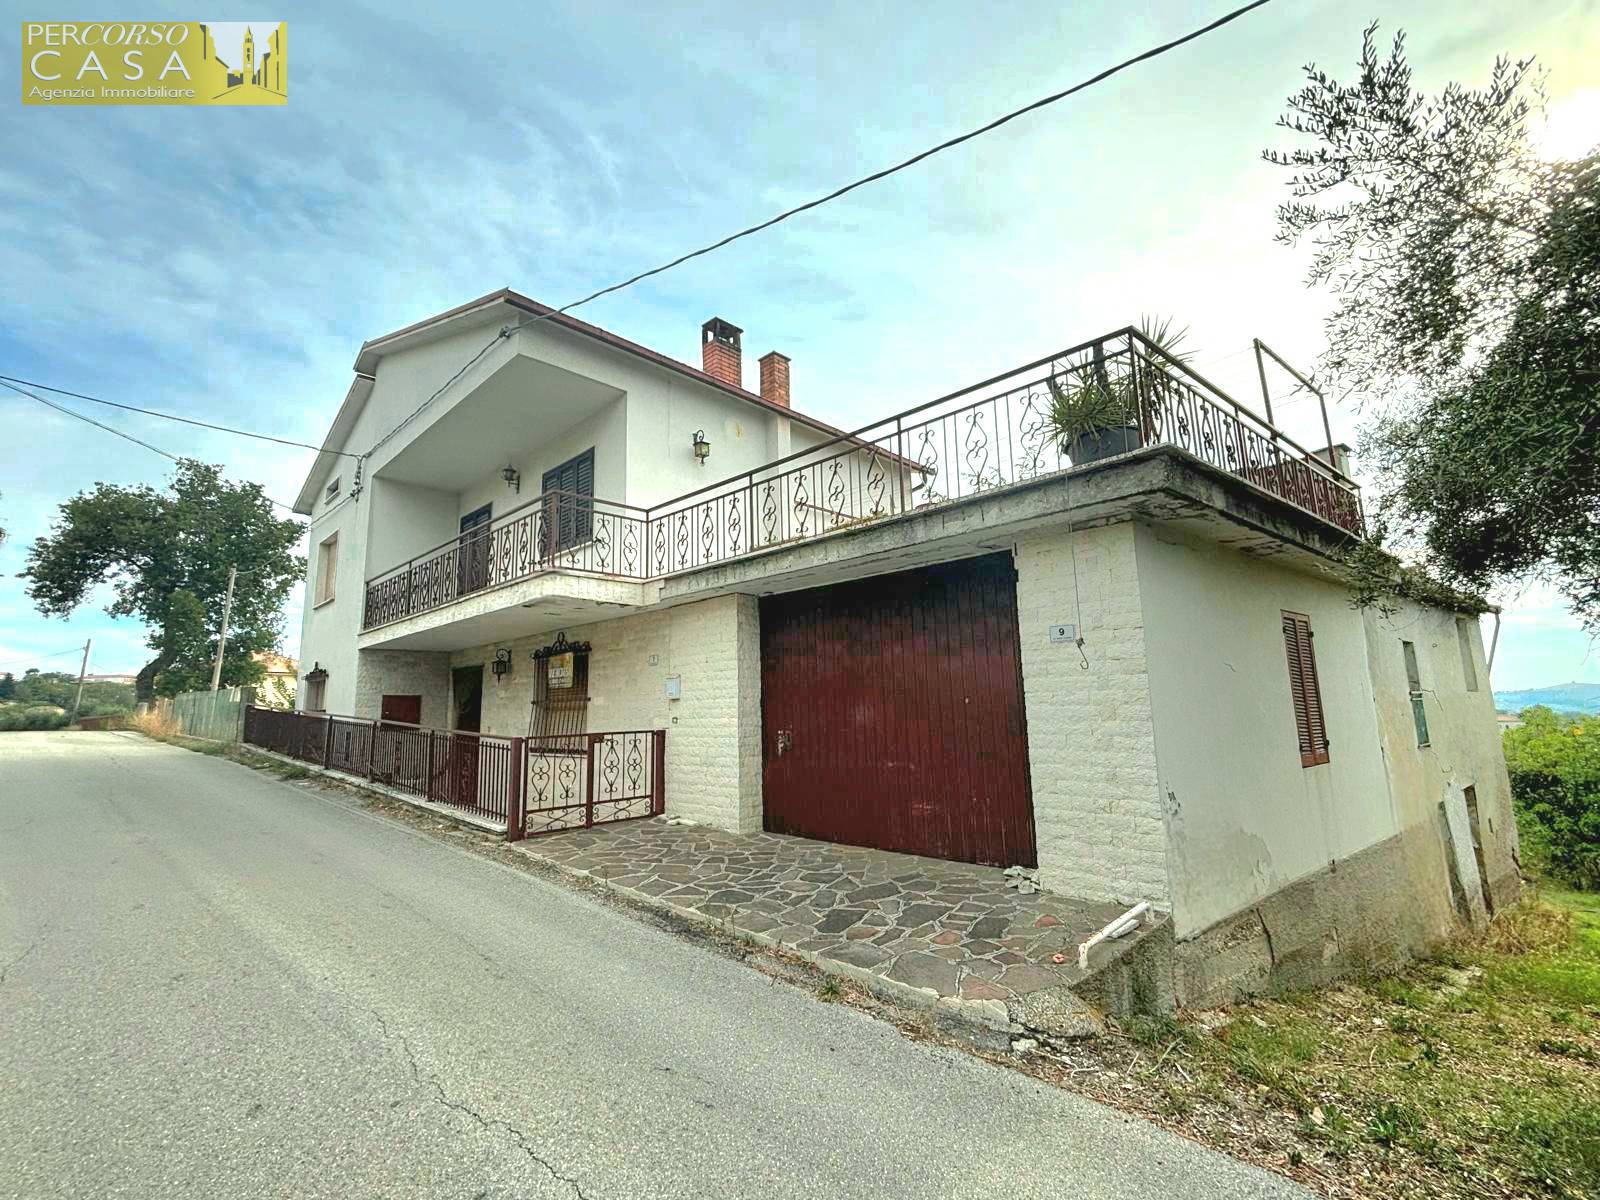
(977, 441)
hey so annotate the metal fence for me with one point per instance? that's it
(982, 439)
(525, 787)
(478, 774)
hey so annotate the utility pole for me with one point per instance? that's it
(83, 669)
(222, 638)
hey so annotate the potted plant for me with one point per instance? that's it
(1093, 419)
(1098, 416)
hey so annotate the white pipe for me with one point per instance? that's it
(1122, 925)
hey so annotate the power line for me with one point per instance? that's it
(62, 408)
(1042, 102)
(165, 416)
(41, 658)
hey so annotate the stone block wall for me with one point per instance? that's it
(424, 673)
(713, 730)
(1097, 807)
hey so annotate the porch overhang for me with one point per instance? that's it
(536, 604)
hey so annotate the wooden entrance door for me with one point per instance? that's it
(892, 714)
(466, 690)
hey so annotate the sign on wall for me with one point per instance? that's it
(559, 671)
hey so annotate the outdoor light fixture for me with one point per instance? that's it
(513, 478)
(702, 448)
(502, 664)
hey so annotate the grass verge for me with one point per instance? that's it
(1475, 1073)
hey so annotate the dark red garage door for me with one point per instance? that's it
(892, 714)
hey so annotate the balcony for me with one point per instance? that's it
(975, 442)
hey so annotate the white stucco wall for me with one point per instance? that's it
(328, 630)
(403, 518)
(713, 730)
(641, 442)
(1096, 802)
(1464, 747)
(605, 433)
(1245, 818)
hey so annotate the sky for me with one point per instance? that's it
(226, 263)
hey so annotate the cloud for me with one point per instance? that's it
(227, 264)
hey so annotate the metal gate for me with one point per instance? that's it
(587, 779)
(892, 714)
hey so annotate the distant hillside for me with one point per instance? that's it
(1563, 697)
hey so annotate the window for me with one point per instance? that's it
(568, 502)
(1419, 716)
(316, 690)
(1311, 727)
(1469, 664)
(333, 490)
(327, 568)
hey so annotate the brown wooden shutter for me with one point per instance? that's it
(1311, 726)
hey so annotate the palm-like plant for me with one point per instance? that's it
(1093, 414)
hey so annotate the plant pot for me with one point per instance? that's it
(1104, 441)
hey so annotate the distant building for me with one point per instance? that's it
(127, 679)
(277, 689)
(1508, 721)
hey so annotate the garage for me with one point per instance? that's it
(892, 714)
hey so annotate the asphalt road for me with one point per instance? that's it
(214, 984)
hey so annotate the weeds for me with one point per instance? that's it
(1471, 1074)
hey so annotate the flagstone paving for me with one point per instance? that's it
(953, 928)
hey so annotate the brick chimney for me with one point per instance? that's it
(719, 351)
(775, 378)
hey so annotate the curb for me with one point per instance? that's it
(388, 793)
(990, 1025)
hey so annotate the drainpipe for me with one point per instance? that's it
(1493, 643)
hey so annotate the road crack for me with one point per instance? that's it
(16, 962)
(432, 1084)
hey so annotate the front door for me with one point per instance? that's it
(472, 552)
(892, 714)
(466, 691)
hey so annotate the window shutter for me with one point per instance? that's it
(569, 520)
(1305, 692)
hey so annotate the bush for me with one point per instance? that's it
(1555, 783)
(14, 719)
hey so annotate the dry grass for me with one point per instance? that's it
(154, 723)
(1475, 1074)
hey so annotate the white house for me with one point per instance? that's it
(941, 633)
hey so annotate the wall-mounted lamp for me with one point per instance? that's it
(513, 478)
(702, 448)
(501, 666)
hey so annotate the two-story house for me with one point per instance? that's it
(623, 576)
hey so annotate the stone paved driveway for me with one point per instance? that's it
(951, 928)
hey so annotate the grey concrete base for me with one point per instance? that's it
(1373, 911)
(438, 810)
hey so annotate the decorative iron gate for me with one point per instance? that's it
(588, 779)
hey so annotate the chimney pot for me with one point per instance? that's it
(775, 378)
(719, 351)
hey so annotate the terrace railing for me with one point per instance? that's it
(980, 440)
